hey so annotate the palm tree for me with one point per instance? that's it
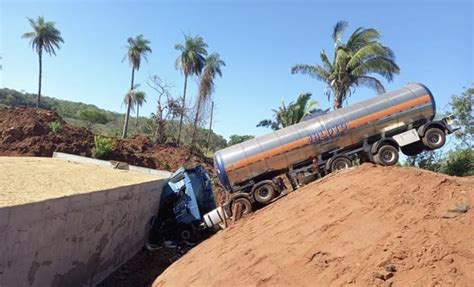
(353, 63)
(293, 113)
(44, 37)
(212, 68)
(139, 99)
(138, 48)
(190, 62)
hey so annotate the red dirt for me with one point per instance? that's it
(342, 230)
(26, 131)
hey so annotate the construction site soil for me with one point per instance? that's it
(27, 131)
(368, 226)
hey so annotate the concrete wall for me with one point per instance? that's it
(76, 240)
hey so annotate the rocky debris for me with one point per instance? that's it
(337, 231)
(458, 210)
(383, 276)
(389, 267)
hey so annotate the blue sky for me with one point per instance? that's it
(258, 40)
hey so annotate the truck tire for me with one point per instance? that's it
(341, 162)
(413, 148)
(187, 232)
(246, 205)
(264, 193)
(434, 138)
(387, 155)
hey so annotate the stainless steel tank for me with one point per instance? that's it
(338, 129)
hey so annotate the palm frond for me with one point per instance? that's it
(315, 71)
(338, 30)
(370, 82)
(324, 58)
(362, 37)
(385, 67)
(366, 52)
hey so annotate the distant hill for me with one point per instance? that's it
(98, 120)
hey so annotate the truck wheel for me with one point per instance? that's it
(434, 138)
(413, 148)
(340, 163)
(387, 155)
(264, 193)
(187, 232)
(246, 205)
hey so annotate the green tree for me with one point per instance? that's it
(353, 63)
(45, 37)
(293, 113)
(459, 162)
(212, 68)
(190, 62)
(236, 139)
(462, 109)
(138, 48)
(92, 116)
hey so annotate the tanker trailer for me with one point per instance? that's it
(373, 130)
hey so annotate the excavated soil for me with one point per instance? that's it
(26, 131)
(368, 226)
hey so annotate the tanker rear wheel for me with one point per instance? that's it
(434, 138)
(340, 163)
(264, 193)
(387, 155)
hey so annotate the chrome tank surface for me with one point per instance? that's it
(338, 129)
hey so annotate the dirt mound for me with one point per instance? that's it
(369, 226)
(28, 131)
(139, 150)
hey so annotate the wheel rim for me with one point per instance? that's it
(341, 165)
(434, 139)
(388, 156)
(185, 234)
(263, 192)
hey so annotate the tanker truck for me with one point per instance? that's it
(374, 130)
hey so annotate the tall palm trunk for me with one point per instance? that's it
(196, 118)
(184, 103)
(338, 98)
(40, 57)
(210, 126)
(129, 105)
(138, 107)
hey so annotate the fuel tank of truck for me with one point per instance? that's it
(337, 129)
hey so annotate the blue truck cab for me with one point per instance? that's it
(185, 199)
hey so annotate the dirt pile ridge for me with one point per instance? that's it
(26, 131)
(368, 226)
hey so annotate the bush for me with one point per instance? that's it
(459, 163)
(55, 126)
(103, 147)
(93, 116)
